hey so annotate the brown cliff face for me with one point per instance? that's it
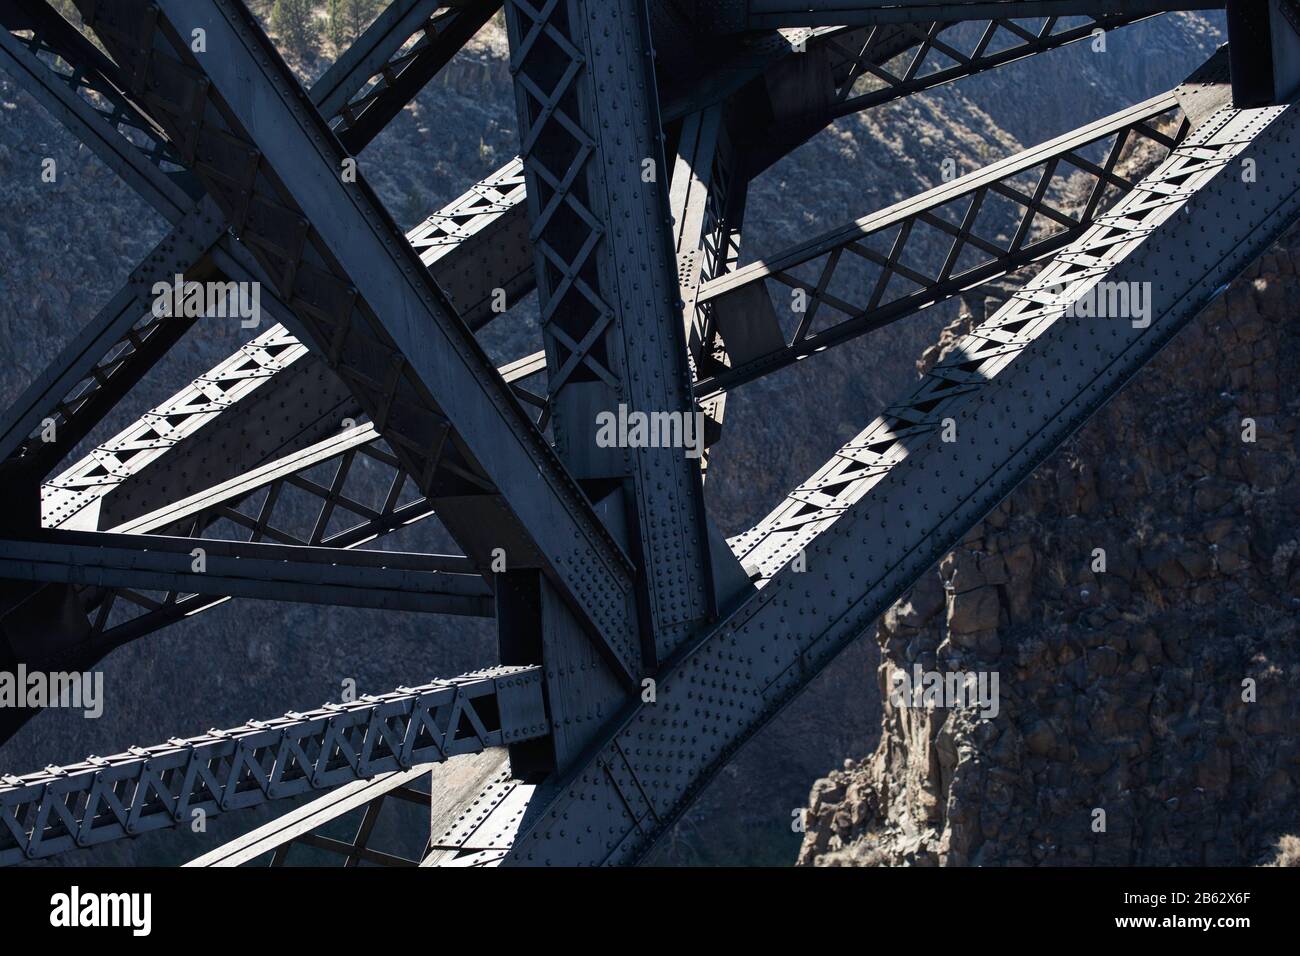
(1124, 690)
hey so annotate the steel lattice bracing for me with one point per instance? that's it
(248, 506)
(444, 784)
(940, 57)
(476, 244)
(479, 230)
(82, 384)
(107, 798)
(405, 47)
(129, 335)
(81, 86)
(627, 217)
(868, 273)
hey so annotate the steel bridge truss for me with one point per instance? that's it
(375, 409)
(106, 798)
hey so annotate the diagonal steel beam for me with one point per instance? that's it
(489, 215)
(111, 798)
(371, 57)
(202, 507)
(115, 349)
(80, 496)
(487, 226)
(202, 432)
(479, 243)
(344, 520)
(301, 826)
(126, 339)
(399, 68)
(80, 87)
(358, 290)
(438, 784)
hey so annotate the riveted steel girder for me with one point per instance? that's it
(479, 243)
(386, 580)
(391, 67)
(144, 789)
(598, 202)
(887, 505)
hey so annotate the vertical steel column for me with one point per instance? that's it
(612, 321)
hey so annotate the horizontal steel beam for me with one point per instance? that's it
(120, 615)
(173, 784)
(270, 572)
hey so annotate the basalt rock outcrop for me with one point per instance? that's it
(1139, 597)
